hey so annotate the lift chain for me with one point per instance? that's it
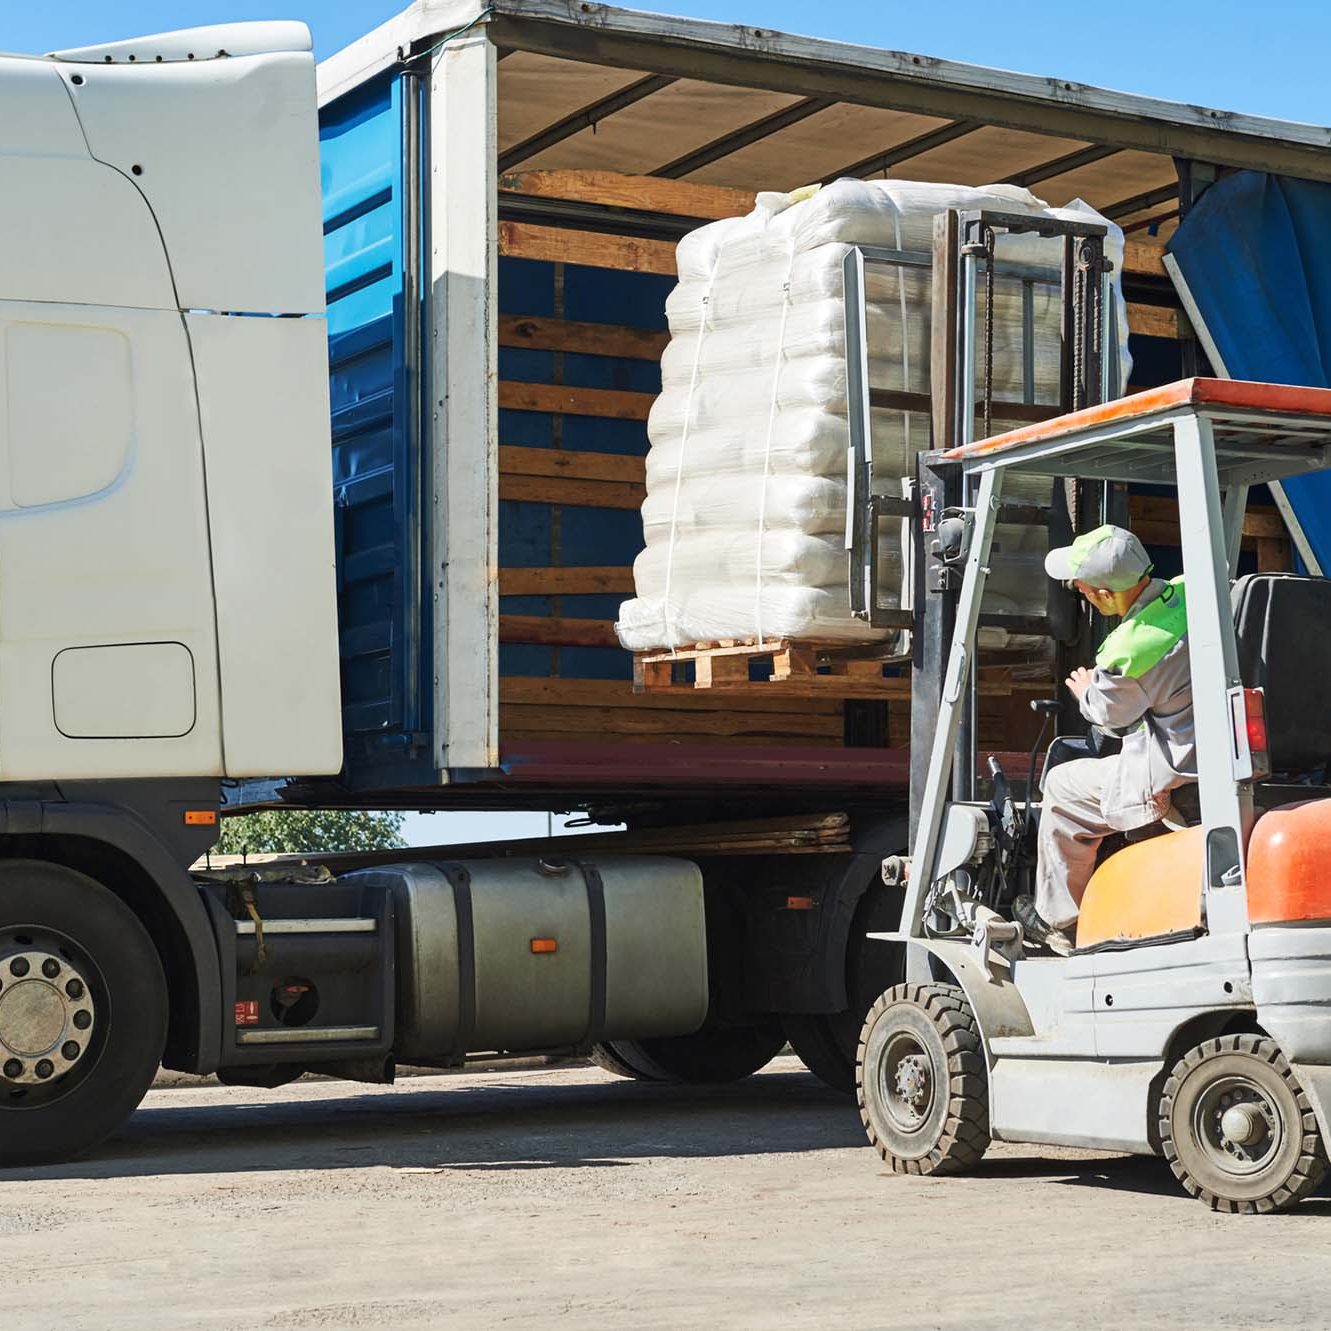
(1078, 323)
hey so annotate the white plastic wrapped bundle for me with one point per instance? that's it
(744, 518)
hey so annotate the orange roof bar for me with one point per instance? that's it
(1235, 394)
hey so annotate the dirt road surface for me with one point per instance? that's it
(572, 1199)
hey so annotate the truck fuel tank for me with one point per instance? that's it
(530, 954)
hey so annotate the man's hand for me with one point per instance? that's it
(1078, 682)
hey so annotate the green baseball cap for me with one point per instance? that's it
(1107, 557)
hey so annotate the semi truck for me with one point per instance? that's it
(325, 398)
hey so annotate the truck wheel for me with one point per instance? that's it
(609, 1058)
(83, 1012)
(713, 1054)
(1237, 1129)
(827, 1042)
(826, 1046)
(920, 1080)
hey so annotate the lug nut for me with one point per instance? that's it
(70, 1050)
(44, 1068)
(50, 968)
(82, 1020)
(74, 988)
(13, 1069)
(19, 966)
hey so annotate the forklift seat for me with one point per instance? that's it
(1282, 626)
(1282, 622)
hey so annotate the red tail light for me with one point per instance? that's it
(1254, 706)
(1248, 709)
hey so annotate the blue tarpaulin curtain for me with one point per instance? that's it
(1254, 255)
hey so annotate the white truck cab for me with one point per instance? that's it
(164, 434)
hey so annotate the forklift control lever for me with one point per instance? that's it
(1003, 803)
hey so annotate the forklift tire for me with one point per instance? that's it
(820, 1041)
(921, 1082)
(1238, 1130)
(609, 1058)
(713, 1054)
(83, 1012)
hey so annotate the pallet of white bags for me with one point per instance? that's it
(785, 669)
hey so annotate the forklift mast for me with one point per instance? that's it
(962, 389)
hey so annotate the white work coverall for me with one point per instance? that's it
(1087, 799)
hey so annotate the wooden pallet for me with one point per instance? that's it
(722, 670)
(795, 669)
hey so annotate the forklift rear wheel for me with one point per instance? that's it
(920, 1080)
(83, 1012)
(1238, 1130)
(713, 1054)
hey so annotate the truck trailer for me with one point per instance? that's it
(203, 613)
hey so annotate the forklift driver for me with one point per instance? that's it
(1139, 690)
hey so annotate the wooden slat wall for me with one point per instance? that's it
(1155, 521)
(564, 476)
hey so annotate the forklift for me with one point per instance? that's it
(1192, 1018)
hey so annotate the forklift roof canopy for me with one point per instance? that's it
(1262, 432)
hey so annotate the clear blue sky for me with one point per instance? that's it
(1265, 59)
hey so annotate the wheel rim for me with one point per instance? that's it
(53, 1010)
(906, 1082)
(1237, 1126)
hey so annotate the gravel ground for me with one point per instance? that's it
(570, 1198)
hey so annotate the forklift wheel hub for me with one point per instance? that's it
(907, 1081)
(1242, 1124)
(1236, 1126)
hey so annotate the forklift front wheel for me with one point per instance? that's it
(920, 1080)
(1238, 1130)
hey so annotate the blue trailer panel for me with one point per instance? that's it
(377, 449)
(1252, 260)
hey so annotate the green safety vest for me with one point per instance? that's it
(1145, 639)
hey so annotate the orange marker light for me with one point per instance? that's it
(200, 817)
(801, 903)
(541, 945)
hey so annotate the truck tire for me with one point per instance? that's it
(824, 1046)
(1237, 1128)
(827, 1042)
(713, 1054)
(921, 1082)
(610, 1058)
(83, 1012)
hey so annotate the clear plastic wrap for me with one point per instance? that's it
(744, 518)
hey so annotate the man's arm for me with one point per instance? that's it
(1111, 701)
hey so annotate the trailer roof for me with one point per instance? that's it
(584, 86)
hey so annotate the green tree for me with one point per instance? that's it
(309, 832)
